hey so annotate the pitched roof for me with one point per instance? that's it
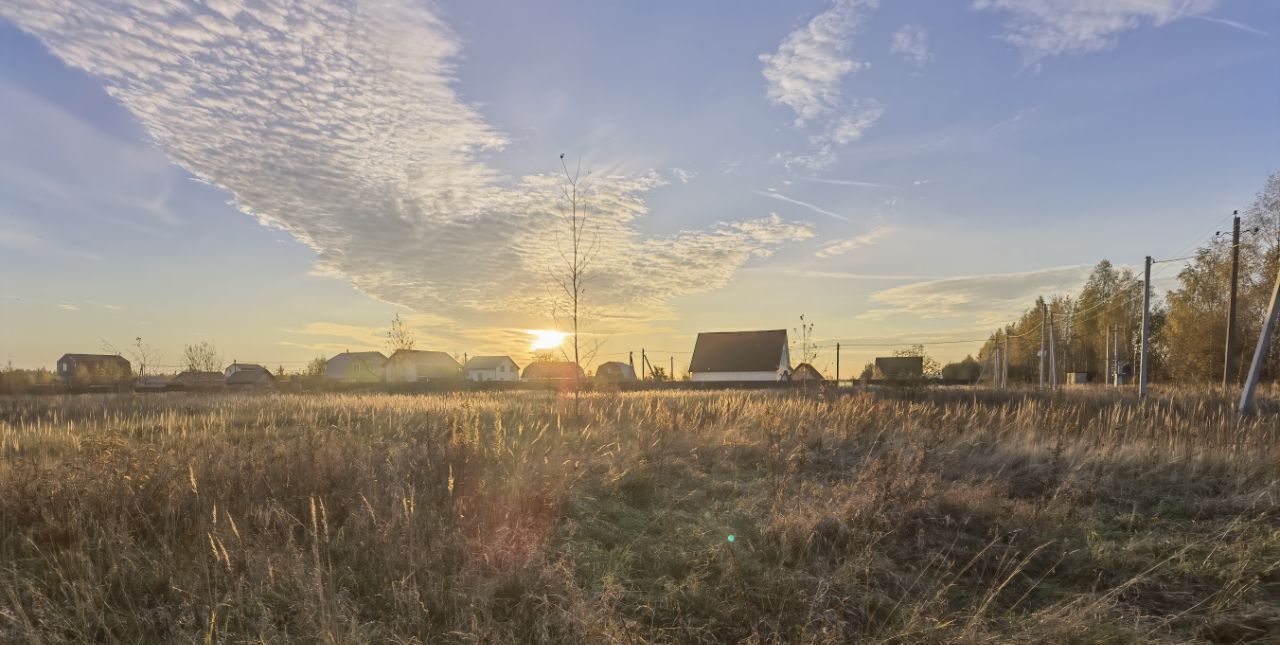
(552, 370)
(249, 376)
(429, 364)
(95, 358)
(199, 378)
(616, 370)
(344, 365)
(739, 351)
(806, 372)
(488, 362)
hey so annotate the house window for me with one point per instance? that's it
(62, 366)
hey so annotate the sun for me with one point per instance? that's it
(546, 339)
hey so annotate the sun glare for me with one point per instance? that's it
(546, 339)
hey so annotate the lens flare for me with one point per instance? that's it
(546, 339)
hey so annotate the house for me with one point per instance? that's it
(199, 381)
(806, 372)
(236, 367)
(152, 383)
(413, 366)
(553, 371)
(356, 367)
(615, 371)
(492, 368)
(741, 356)
(81, 370)
(900, 368)
(251, 377)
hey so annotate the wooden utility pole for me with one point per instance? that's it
(671, 376)
(837, 365)
(1044, 323)
(1229, 365)
(1106, 366)
(995, 365)
(1260, 353)
(643, 362)
(1146, 328)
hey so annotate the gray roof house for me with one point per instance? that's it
(356, 367)
(492, 368)
(412, 366)
(93, 369)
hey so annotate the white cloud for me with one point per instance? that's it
(840, 247)
(338, 123)
(68, 307)
(987, 299)
(780, 197)
(912, 43)
(1047, 28)
(806, 72)
(683, 175)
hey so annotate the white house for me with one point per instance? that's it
(355, 367)
(240, 367)
(492, 368)
(412, 366)
(741, 356)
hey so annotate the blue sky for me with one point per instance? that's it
(282, 178)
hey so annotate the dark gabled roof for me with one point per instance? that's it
(739, 351)
(95, 358)
(552, 370)
(489, 362)
(246, 366)
(199, 378)
(249, 376)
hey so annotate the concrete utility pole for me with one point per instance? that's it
(671, 376)
(1260, 353)
(1044, 329)
(837, 365)
(1115, 356)
(1106, 365)
(643, 361)
(1053, 357)
(1229, 365)
(1146, 328)
(1004, 356)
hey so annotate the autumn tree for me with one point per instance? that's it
(201, 357)
(398, 336)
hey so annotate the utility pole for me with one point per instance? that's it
(1004, 356)
(837, 365)
(671, 376)
(1053, 357)
(643, 361)
(1229, 365)
(995, 365)
(1106, 365)
(1260, 354)
(1146, 328)
(1044, 323)
(1115, 356)
(631, 360)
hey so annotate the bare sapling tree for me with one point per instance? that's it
(201, 357)
(808, 348)
(576, 255)
(143, 355)
(399, 337)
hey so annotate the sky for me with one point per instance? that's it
(282, 178)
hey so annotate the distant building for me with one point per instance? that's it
(741, 356)
(806, 372)
(492, 368)
(356, 367)
(199, 381)
(615, 371)
(413, 366)
(236, 367)
(251, 377)
(1076, 378)
(900, 368)
(553, 371)
(82, 370)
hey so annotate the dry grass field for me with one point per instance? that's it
(894, 517)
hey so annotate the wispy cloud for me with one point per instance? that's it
(1047, 28)
(338, 122)
(68, 307)
(846, 182)
(807, 74)
(840, 247)
(912, 43)
(1235, 24)
(817, 209)
(986, 299)
(683, 175)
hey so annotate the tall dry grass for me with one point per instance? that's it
(903, 517)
